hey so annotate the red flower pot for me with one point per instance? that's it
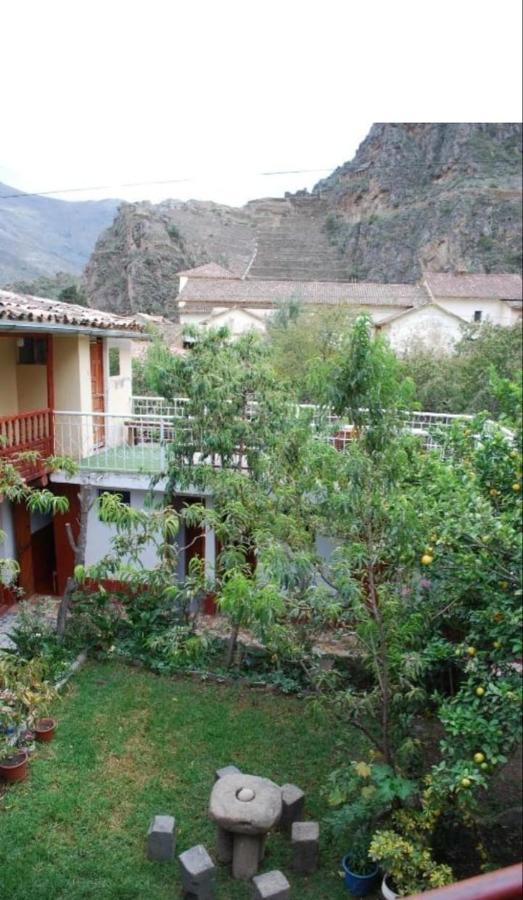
(14, 768)
(44, 729)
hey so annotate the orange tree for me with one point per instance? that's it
(426, 568)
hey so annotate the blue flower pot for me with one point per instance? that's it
(358, 885)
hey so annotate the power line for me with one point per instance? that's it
(127, 184)
(363, 170)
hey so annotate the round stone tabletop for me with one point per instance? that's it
(245, 804)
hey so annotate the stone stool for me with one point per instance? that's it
(293, 803)
(226, 770)
(271, 886)
(198, 874)
(161, 838)
(305, 847)
(244, 808)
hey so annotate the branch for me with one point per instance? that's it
(69, 532)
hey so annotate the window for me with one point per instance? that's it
(477, 315)
(114, 361)
(32, 351)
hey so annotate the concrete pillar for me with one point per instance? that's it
(161, 838)
(246, 856)
(293, 803)
(271, 886)
(305, 847)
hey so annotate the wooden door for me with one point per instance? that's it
(96, 349)
(24, 551)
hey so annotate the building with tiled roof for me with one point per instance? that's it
(20, 311)
(468, 298)
(475, 285)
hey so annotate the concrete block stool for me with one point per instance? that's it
(305, 847)
(161, 838)
(198, 874)
(271, 886)
(293, 803)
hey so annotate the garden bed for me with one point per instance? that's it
(131, 744)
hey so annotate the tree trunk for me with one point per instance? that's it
(231, 648)
(86, 497)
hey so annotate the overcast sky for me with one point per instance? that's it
(106, 92)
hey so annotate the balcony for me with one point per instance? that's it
(27, 432)
(136, 443)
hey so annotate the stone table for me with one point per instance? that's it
(245, 808)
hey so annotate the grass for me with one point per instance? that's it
(131, 744)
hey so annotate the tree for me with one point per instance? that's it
(303, 344)
(463, 381)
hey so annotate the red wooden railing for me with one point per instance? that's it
(504, 884)
(27, 431)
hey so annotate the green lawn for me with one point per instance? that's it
(131, 744)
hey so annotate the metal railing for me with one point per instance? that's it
(104, 442)
(138, 443)
(158, 406)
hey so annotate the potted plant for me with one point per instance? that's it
(362, 795)
(409, 867)
(37, 700)
(44, 729)
(360, 872)
(13, 761)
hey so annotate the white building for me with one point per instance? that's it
(433, 312)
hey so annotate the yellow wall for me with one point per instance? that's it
(66, 372)
(32, 387)
(8, 385)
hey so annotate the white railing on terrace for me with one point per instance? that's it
(103, 442)
(158, 406)
(138, 442)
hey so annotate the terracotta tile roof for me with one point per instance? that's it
(224, 291)
(26, 308)
(480, 286)
(209, 270)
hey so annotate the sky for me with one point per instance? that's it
(209, 94)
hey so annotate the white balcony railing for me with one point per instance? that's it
(138, 442)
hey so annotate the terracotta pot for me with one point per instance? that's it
(14, 768)
(44, 729)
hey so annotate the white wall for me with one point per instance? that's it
(99, 534)
(495, 311)
(7, 535)
(428, 326)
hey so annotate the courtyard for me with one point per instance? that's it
(131, 744)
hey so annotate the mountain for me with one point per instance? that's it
(41, 235)
(442, 197)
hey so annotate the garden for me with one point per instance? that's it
(405, 743)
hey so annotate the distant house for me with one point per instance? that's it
(210, 294)
(478, 297)
(433, 311)
(430, 326)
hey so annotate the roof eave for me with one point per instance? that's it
(59, 328)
